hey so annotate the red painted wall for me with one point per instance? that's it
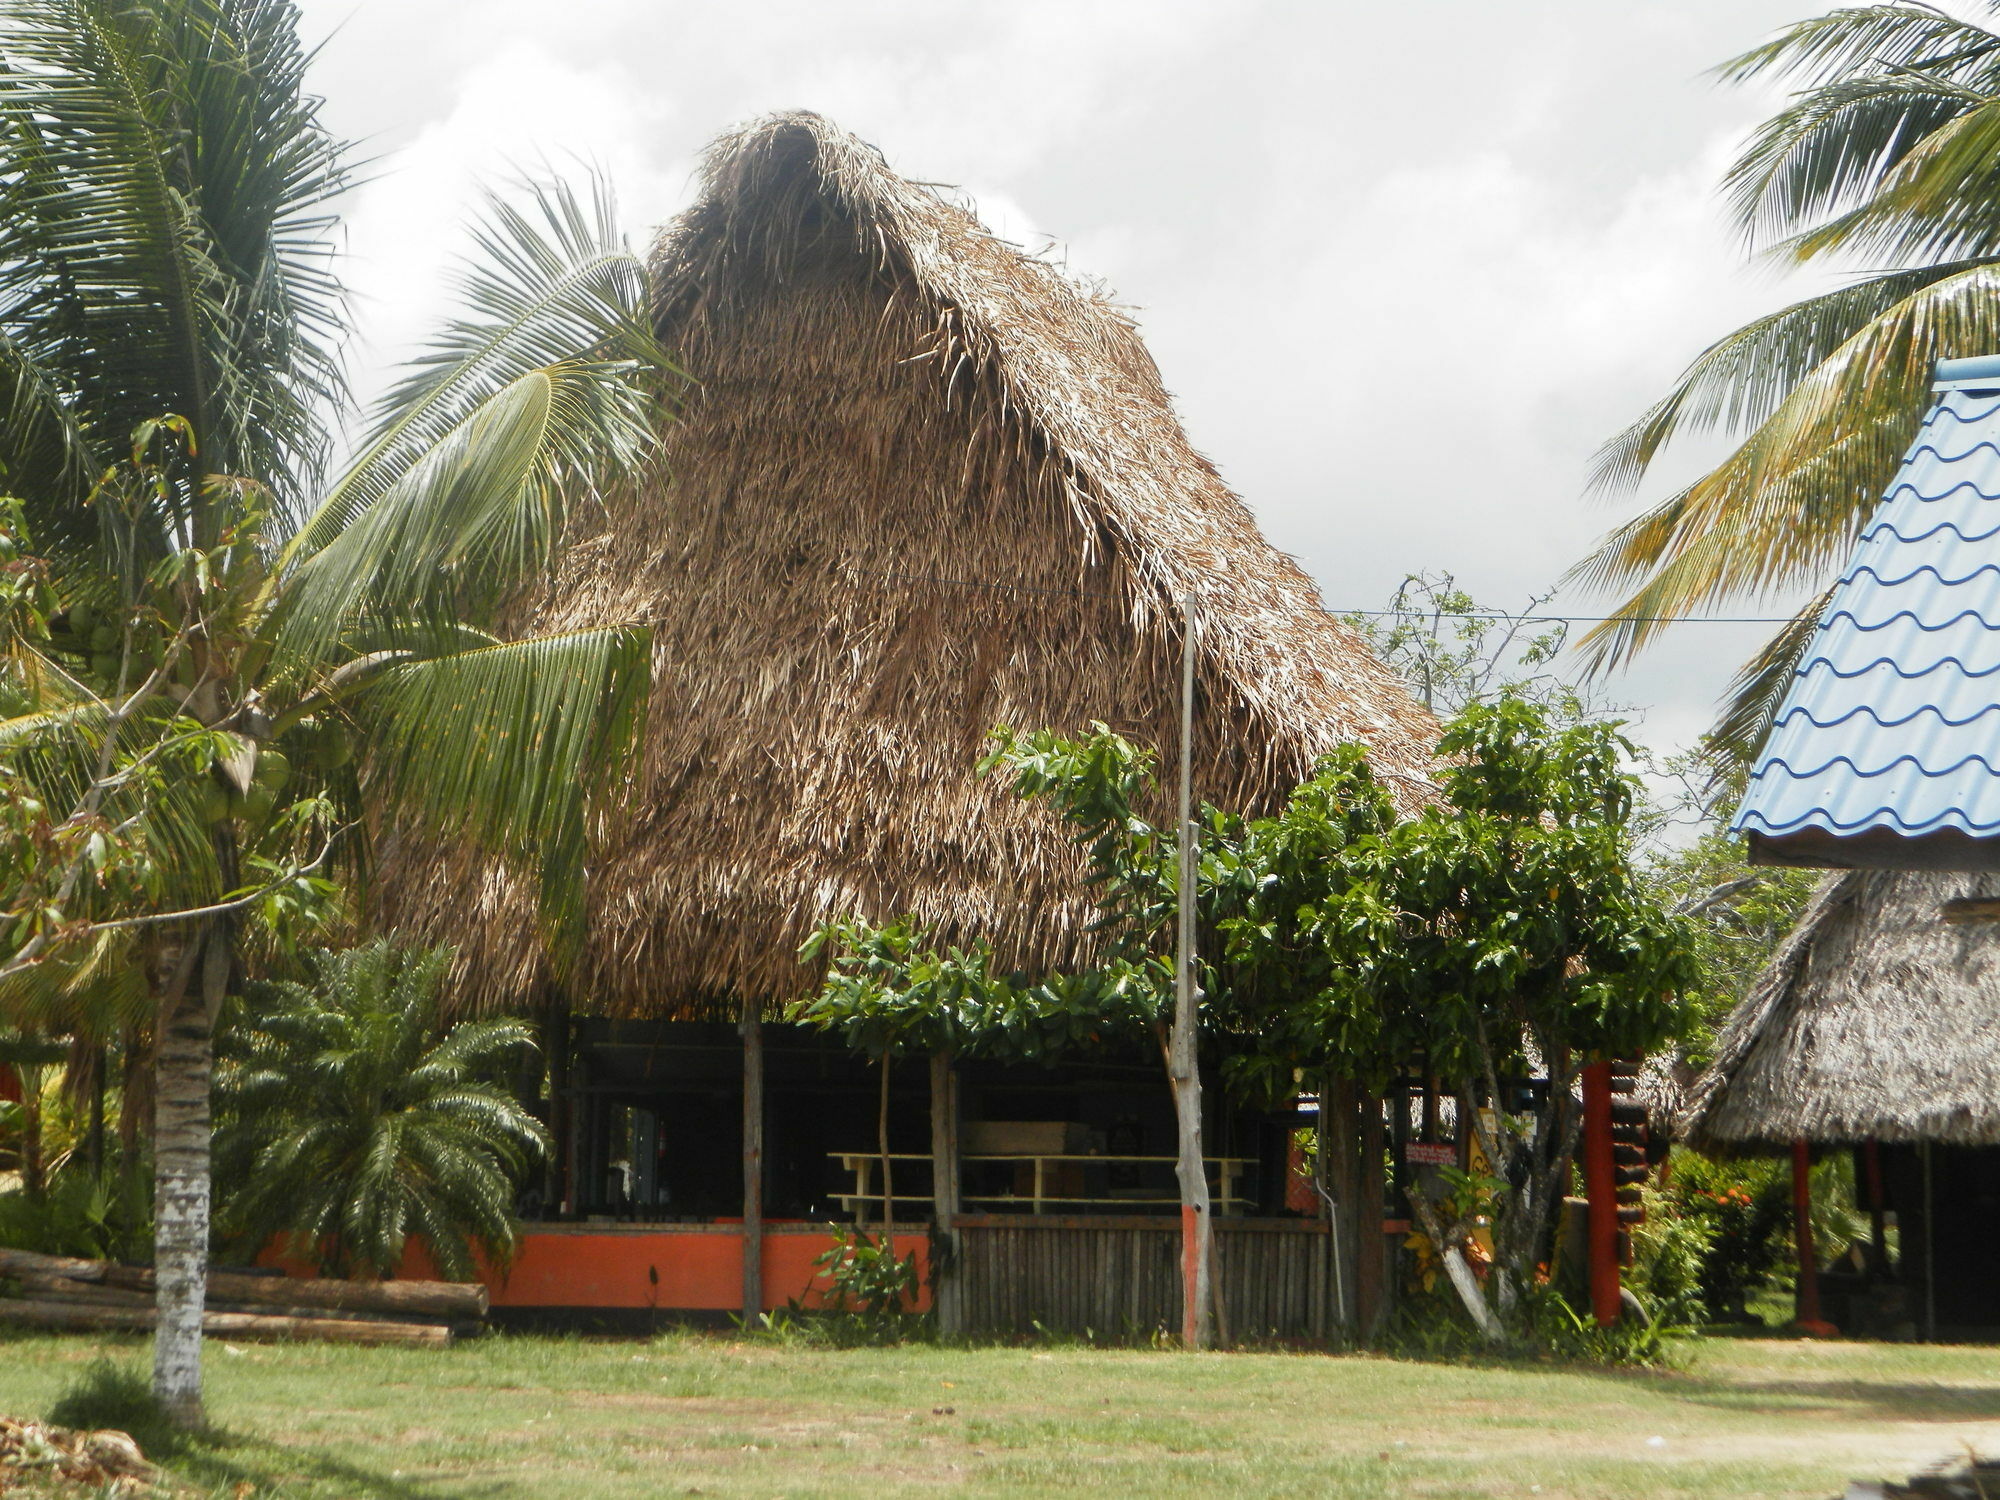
(670, 1267)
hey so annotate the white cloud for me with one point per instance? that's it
(1405, 266)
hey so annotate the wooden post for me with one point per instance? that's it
(1371, 1278)
(752, 1027)
(947, 1276)
(1930, 1250)
(888, 1180)
(1878, 1233)
(1340, 1171)
(1805, 1305)
(1600, 1185)
(1184, 1064)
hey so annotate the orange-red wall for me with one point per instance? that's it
(692, 1267)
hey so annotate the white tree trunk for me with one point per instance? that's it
(181, 1130)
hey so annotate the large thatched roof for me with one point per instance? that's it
(1875, 1020)
(924, 484)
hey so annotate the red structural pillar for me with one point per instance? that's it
(1806, 1309)
(10, 1085)
(1600, 1186)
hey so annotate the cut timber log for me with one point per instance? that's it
(396, 1299)
(65, 1314)
(449, 1301)
(15, 1262)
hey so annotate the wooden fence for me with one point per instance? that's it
(1119, 1278)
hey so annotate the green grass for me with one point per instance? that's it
(521, 1417)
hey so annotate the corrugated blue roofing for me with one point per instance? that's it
(1893, 720)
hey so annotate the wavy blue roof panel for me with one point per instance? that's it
(1892, 724)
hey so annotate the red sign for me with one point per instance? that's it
(1425, 1154)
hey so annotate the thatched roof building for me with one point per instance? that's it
(924, 484)
(1875, 1020)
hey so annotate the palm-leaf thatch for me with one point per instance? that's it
(923, 484)
(1874, 1020)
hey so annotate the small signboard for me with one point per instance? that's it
(1430, 1154)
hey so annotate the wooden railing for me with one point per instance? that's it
(1044, 1191)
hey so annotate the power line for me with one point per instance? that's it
(1449, 614)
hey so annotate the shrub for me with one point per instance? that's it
(351, 1116)
(99, 1216)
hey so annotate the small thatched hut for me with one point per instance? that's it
(922, 483)
(1873, 1027)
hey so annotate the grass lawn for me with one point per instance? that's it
(690, 1415)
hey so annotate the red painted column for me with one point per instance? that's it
(1600, 1186)
(10, 1085)
(1806, 1316)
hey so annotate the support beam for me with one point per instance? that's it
(1806, 1298)
(1600, 1185)
(752, 1026)
(947, 1278)
(1372, 1285)
(1340, 1176)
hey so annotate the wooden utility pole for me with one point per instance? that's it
(1184, 1063)
(752, 1026)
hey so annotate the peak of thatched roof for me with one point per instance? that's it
(923, 483)
(1874, 1020)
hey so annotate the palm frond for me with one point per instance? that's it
(1828, 47)
(1739, 381)
(1833, 146)
(506, 744)
(1759, 688)
(555, 288)
(161, 245)
(1788, 501)
(477, 513)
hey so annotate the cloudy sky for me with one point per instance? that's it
(1404, 266)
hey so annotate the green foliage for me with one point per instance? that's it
(108, 1394)
(97, 1216)
(351, 1115)
(1671, 1256)
(1743, 1207)
(1736, 914)
(865, 1276)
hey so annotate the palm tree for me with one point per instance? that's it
(1889, 151)
(351, 1116)
(257, 650)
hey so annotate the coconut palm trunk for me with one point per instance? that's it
(169, 328)
(181, 1180)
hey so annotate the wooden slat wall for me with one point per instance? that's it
(1118, 1279)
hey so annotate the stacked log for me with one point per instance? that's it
(53, 1291)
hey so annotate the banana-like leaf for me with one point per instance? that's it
(506, 744)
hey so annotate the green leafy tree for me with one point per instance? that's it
(352, 1115)
(1504, 932)
(1887, 153)
(257, 649)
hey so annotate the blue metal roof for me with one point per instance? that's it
(1892, 724)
